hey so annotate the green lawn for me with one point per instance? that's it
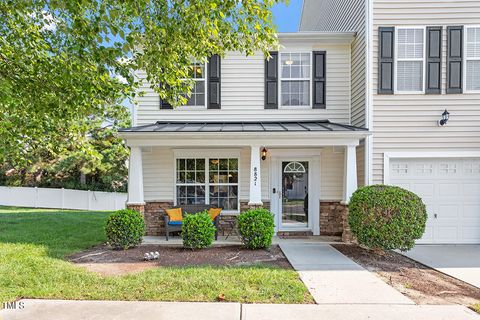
(34, 241)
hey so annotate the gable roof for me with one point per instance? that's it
(330, 15)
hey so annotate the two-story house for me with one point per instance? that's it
(272, 132)
(416, 87)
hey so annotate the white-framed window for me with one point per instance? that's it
(472, 59)
(212, 181)
(410, 59)
(198, 96)
(295, 74)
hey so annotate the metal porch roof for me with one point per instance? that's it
(243, 126)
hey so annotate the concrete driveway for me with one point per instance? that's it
(459, 261)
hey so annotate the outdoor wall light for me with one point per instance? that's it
(264, 153)
(445, 116)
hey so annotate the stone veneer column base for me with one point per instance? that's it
(331, 218)
(137, 207)
(154, 212)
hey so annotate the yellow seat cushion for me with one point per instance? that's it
(214, 212)
(174, 214)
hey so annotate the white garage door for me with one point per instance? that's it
(450, 188)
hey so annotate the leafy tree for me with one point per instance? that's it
(64, 63)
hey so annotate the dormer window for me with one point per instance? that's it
(295, 74)
(197, 98)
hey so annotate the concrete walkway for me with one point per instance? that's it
(332, 278)
(128, 310)
(459, 261)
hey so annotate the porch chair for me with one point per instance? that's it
(172, 226)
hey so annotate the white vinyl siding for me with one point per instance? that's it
(242, 92)
(410, 59)
(343, 15)
(409, 122)
(159, 173)
(472, 59)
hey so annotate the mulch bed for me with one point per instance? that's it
(415, 280)
(104, 260)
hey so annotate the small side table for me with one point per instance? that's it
(233, 228)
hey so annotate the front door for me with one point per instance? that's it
(293, 195)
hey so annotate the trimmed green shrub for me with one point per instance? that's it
(386, 217)
(198, 230)
(256, 228)
(125, 229)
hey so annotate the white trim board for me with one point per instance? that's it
(422, 154)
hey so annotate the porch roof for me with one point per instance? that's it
(243, 126)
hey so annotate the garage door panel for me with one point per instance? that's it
(448, 212)
(471, 189)
(471, 234)
(450, 189)
(424, 190)
(447, 234)
(471, 211)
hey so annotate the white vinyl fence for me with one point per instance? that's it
(61, 198)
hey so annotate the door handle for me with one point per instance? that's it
(435, 215)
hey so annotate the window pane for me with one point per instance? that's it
(473, 75)
(213, 164)
(410, 43)
(233, 177)
(197, 97)
(200, 164)
(473, 42)
(223, 164)
(190, 164)
(197, 71)
(233, 164)
(295, 65)
(409, 75)
(295, 93)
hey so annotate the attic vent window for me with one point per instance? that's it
(294, 167)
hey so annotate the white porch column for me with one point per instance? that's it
(349, 172)
(135, 177)
(255, 177)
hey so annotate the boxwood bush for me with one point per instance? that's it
(125, 229)
(198, 230)
(386, 217)
(256, 228)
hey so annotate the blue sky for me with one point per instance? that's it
(287, 17)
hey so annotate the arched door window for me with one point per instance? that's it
(294, 167)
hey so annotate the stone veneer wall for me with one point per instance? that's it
(153, 212)
(332, 216)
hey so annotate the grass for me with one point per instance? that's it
(33, 243)
(476, 307)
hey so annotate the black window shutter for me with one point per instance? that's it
(214, 83)
(386, 48)
(271, 81)
(319, 79)
(454, 59)
(433, 80)
(164, 104)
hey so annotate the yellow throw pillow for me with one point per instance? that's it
(214, 212)
(174, 214)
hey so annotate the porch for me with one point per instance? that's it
(304, 172)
